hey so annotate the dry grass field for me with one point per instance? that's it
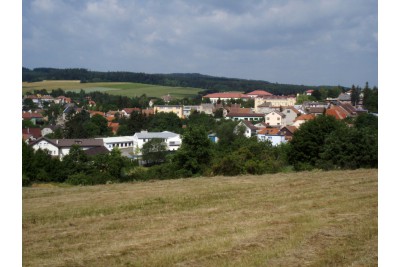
(114, 88)
(287, 219)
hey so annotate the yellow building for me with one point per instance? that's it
(178, 110)
(274, 101)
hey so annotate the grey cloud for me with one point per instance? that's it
(313, 42)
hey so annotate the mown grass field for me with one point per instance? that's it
(292, 219)
(114, 88)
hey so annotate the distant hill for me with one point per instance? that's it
(196, 80)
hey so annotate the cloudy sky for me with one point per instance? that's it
(310, 42)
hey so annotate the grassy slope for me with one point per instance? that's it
(296, 219)
(124, 89)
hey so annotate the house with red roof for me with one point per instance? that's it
(309, 92)
(34, 117)
(302, 119)
(288, 131)
(258, 93)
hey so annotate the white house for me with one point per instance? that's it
(172, 140)
(61, 147)
(249, 128)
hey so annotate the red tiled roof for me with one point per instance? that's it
(110, 118)
(337, 112)
(31, 115)
(305, 117)
(227, 95)
(241, 110)
(35, 132)
(309, 91)
(278, 96)
(114, 126)
(259, 93)
(269, 131)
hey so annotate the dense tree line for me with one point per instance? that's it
(75, 168)
(211, 83)
(323, 143)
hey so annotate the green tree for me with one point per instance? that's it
(101, 124)
(28, 169)
(350, 148)
(201, 120)
(317, 95)
(154, 151)
(76, 161)
(165, 122)
(195, 153)
(355, 95)
(309, 139)
(28, 104)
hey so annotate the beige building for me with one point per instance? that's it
(178, 110)
(275, 118)
(274, 101)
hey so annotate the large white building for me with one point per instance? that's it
(118, 141)
(172, 140)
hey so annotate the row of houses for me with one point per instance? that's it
(130, 146)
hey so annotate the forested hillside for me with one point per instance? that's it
(211, 83)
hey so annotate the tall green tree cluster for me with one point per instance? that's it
(328, 143)
(75, 168)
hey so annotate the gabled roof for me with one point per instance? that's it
(344, 97)
(289, 128)
(305, 117)
(249, 125)
(277, 112)
(309, 91)
(35, 132)
(316, 109)
(69, 142)
(293, 108)
(348, 107)
(337, 112)
(259, 93)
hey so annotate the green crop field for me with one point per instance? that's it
(287, 219)
(114, 88)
